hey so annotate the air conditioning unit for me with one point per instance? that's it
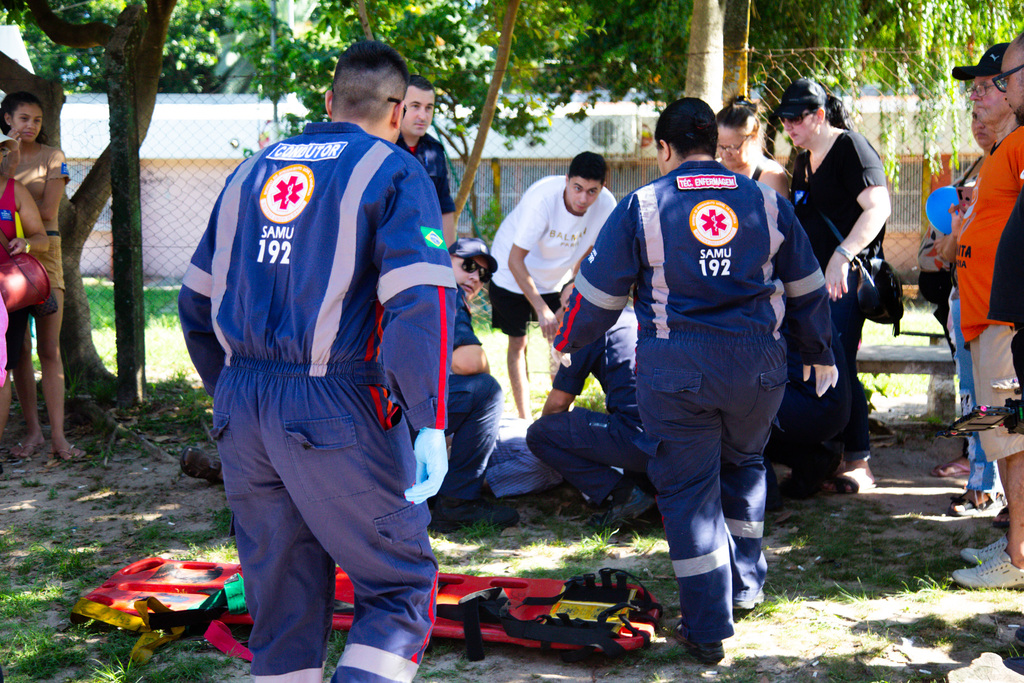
(614, 134)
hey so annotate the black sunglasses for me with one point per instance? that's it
(471, 266)
(796, 119)
(1003, 79)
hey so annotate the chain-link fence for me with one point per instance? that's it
(194, 141)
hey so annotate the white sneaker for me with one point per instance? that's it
(997, 572)
(979, 555)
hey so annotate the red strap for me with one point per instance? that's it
(219, 635)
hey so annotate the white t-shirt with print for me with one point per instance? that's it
(555, 239)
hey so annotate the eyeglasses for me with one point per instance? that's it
(395, 100)
(1003, 79)
(471, 266)
(793, 120)
(979, 89)
(733, 148)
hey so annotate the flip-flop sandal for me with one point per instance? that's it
(962, 506)
(69, 453)
(26, 452)
(846, 484)
(1002, 519)
(953, 468)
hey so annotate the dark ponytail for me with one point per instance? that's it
(836, 114)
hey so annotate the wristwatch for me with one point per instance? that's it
(845, 253)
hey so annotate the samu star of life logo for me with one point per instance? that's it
(713, 223)
(286, 193)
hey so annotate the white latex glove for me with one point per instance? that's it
(825, 376)
(561, 358)
(431, 465)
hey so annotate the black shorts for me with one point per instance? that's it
(510, 311)
(17, 323)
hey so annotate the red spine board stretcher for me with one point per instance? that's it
(185, 585)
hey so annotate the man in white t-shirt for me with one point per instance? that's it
(543, 240)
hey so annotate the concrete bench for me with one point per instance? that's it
(935, 361)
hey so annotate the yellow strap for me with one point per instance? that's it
(94, 610)
(149, 642)
(18, 230)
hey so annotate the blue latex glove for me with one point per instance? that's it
(431, 464)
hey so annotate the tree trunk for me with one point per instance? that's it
(704, 62)
(79, 214)
(736, 33)
(490, 104)
(364, 19)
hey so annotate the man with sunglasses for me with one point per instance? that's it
(475, 404)
(999, 565)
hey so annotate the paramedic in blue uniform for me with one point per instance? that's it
(419, 112)
(475, 404)
(718, 262)
(585, 445)
(318, 311)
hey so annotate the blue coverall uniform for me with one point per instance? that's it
(475, 405)
(319, 301)
(431, 154)
(718, 262)
(584, 445)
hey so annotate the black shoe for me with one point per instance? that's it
(637, 503)
(705, 653)
(450, 514)
(196, 463)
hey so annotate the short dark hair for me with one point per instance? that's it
(689, 126)
(10, 105)
(589, 166)
(368, 75)
(421, 83)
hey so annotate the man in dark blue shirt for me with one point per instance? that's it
(475, 404)
(586, 446)
(419, 112)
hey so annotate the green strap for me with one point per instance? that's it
(234, 591)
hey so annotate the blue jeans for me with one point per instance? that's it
(983, 472)
(849, 321)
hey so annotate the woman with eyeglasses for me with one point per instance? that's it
(838, 186)
(44, 172)
(741, 145)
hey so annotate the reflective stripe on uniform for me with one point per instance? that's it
(805, 285)
(198, 280)
(650, 219)
(328, 319)
(771, 210)
(597, 297)
(227, 227)
(695, 566)
(303, 676)
(401, 279)
(378, 662)
(738, 527)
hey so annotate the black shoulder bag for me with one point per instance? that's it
(879, 289)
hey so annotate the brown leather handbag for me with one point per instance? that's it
(23, 279)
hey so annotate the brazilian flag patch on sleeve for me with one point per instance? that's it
(433, 237)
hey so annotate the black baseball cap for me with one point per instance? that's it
(801, 96)
(991, 64)
(468, 247)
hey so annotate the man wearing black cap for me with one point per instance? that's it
(475, 404)
(1001, 564)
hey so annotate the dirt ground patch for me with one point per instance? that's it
(857, 589)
